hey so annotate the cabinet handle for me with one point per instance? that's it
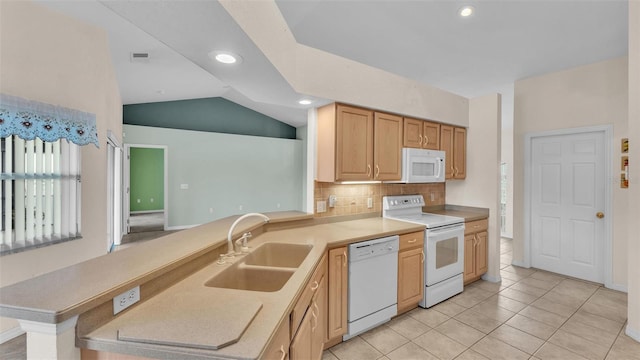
(377, 171)
(315, 318)
(426, 139)
(475, 240)
(344, 263)
(420, 141)
(284, 353)
(453, 171)
(412, 241)
(422, 252)
(315, 285)
(368, 170)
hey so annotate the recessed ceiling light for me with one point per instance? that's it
(466, 11)
(304, 102)
(225, 57)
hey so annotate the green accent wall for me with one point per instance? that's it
(209, 114)
(146, 179)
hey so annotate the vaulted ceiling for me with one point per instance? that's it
(423, 40)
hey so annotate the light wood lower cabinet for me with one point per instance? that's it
(410, 271)
(337, 294)
(308, 318)
(278, 348)
(308, 342)
(475, 250)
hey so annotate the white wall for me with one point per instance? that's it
(224, 172)
(481, 188)
(633, 239)
(506, 156)
(318, 73)
(594, 94)
(51, 58)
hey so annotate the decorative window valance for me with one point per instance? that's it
(29, 119)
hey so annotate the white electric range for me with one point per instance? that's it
(443, 246)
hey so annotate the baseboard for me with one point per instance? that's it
(520, 264)
(632, 333)
(10, 334)
(493, 279)
(145, 212)
(618, 287)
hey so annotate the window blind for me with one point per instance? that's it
(41, 190)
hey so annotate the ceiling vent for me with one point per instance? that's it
(140, 57)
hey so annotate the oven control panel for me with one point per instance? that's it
(402, 202)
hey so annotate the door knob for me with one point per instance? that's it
(600, 214)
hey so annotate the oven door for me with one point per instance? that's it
(444, 248)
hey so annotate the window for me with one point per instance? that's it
(40, 193)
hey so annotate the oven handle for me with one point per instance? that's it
(446, 229)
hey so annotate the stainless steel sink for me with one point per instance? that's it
(278, 255)
(251, 278)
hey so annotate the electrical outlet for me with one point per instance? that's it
(126, 299)
(369, 203)
(332, 201)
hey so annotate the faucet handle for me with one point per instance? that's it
(244, 247)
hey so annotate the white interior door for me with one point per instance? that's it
(568, 181)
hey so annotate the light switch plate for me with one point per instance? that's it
(321, 206)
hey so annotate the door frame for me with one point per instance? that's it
(127, 182)
(607, 130)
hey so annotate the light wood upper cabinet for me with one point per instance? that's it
(431, 135)
(387, 147)
(421, 134)
(460, 153)
(453, 141)
(356, 144)
(337, 293)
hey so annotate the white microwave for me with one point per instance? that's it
(422, 166)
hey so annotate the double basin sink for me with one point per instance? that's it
(265, 269)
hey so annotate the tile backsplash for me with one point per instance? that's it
(352, 199)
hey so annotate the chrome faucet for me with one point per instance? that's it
(230, 248)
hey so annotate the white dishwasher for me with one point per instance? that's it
(373, 284)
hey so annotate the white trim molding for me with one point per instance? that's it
(48, 329)
(632, 333)
(493, 279)
(609, 164)
(11, 334)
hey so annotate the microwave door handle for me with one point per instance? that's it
(440, 167)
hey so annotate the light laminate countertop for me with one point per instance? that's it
(57, 296)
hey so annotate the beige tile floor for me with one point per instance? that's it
(531, 314)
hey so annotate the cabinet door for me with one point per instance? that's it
(460, 153)
(446, 145)
(354, 143)
(481, 252)
(431, 135)
(301, 345)
(410, 277)
(469, 257)
(387, 147)
(412, 133)
(279, 346)
(319, 331)
(337, 293)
